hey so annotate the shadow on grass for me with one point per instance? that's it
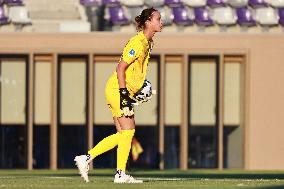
(217, 176)
(161, 174)
(188, 176)
(272, 187)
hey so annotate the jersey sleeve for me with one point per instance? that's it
(131, 51)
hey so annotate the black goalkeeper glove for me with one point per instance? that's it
(126, 106)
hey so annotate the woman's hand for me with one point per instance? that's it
(126, 103)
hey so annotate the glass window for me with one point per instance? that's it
(42, 92)
(13, 91)
(233, 134)
(72, 129)
(13, 130)
(103, 69)
(72, 91)
(202, 110)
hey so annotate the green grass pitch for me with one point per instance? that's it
(153, 179)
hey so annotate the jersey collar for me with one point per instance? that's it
(142, 36)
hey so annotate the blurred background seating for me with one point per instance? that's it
(114, 15)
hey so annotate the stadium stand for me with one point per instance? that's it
(195, 3)
(132, 3)
(133, 12)
(238, 3)
(119, 15)
(193, 14)
(166, 15)
(224, 16)
(57, 16)
(216, 3)
(267, 16)
(19, 17)
(281, 16)
(173, 3)
(94, 3)
(257, 3)
(111, 3)
(245, 17)
(3, 18)
(154, 3)
(276, 3)
(182, 16)
(202, 16)
(14, 2)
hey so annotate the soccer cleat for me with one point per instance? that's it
(83, 166)
(121, 177)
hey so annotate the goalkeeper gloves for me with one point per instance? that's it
(126, 106)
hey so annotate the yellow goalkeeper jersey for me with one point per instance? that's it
(136, 53)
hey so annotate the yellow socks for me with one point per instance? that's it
(123, 139)
(105, 145)
(123, 149)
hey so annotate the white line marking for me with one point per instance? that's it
(161, 179)
(15, 177)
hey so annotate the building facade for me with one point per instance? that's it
(219, 102)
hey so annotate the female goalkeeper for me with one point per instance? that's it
(122, 85)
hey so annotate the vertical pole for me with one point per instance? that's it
(184, 121)
(246, 110)
(53, 126)
(30, 110)
(161, 80)
(221, 112)
(90, 102)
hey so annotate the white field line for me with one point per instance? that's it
(161, 179)
(15, 177)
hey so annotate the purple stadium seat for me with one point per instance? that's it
(202, 16)
(281, 16)
(90, 2)
(173, 3)
(117, 16)
(257, 3)
(3, 18)
(13, 2)
(181, 16)
(111, 3)
(216, 3)
(245, 17)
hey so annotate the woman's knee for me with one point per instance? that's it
(126, 123)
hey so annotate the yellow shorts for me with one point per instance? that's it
(113, 97)
(113, 101)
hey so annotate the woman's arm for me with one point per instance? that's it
(120, 69)
(126, 105)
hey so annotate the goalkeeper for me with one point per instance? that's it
(120, 88)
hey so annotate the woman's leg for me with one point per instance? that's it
(127, 125)
(107, 143)
(117, 125)
(104, 145)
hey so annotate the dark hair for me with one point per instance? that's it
(145, 15)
